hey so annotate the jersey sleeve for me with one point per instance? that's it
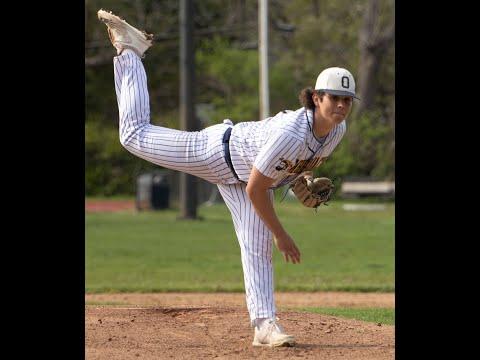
(281, 148)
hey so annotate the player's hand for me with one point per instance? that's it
(287, 247)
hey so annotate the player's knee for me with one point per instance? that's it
(126, 137)
(124, 141)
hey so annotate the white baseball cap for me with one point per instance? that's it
(336, 81)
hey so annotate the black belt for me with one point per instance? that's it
(226, 149)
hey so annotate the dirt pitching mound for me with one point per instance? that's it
(200, 332)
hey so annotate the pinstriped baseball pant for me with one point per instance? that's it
(199, 153)
(255, 240)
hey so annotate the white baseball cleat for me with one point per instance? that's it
(271, 334)
(125, 36)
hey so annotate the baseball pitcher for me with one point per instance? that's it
(246, 161)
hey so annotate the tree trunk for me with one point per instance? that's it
(316, 8)
(373, 45)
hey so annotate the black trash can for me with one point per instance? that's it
(152, 191)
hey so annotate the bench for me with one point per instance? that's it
(356, 189)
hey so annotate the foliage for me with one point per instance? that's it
(233, 75)
(369, 138)
(109, 170)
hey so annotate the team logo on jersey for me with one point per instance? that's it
(300, 165)
(283, 165)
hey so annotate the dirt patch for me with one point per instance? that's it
(221, 331)
(282, 299)
(109, 205)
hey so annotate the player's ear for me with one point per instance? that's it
(317, 98)
(314, 97)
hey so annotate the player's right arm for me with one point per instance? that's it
(257, 190)
(281, 146)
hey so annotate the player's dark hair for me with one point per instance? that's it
(305, 97)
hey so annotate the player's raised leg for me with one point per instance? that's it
(174, 149)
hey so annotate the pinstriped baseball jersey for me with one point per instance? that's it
(281, 147)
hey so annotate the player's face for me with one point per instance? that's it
(335, 107)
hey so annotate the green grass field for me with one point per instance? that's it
(154, 252)
(376, 315)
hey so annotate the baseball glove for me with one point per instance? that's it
(312, 192)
